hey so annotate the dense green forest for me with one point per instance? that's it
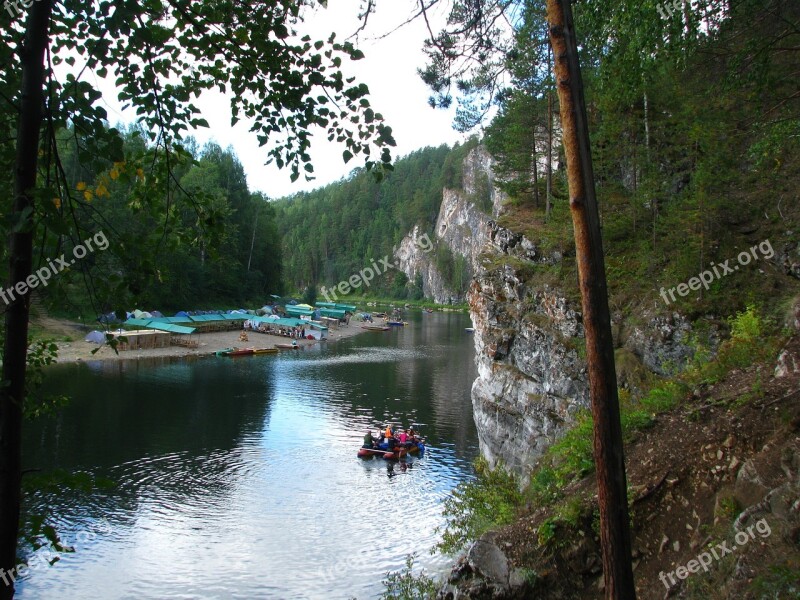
(690, 158)
(211, 243)
(333, 232)
(694, 118)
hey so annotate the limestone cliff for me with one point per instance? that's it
(460, 227)
(531, 377)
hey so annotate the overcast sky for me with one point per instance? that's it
(389, 69)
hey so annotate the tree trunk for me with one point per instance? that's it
(646, 126)
(535, 172)
(608, 450)
(549, 176)
(12, 393)
(253, 241)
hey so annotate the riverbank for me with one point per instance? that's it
(79, 350)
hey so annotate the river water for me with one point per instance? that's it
(238, 478)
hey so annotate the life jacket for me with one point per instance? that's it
(388, 432)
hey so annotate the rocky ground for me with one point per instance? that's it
(725, 463)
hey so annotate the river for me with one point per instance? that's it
(238, 478)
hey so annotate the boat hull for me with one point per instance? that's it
(397, 454)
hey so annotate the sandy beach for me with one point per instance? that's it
(80, 350)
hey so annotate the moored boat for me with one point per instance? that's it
(375, 328)
(265, 351)
(223, 352)
(242, 352)
(287, 346)
(396, 323)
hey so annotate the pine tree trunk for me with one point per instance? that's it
(535, 172)
(12, 393)
(549, 175)
(608, 450)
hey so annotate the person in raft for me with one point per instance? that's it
(402, 437)
(369, 442)
(390, 439)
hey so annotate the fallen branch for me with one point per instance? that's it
(651, 489)
(789, 395)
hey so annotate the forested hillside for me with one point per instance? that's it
(222, 246)
(333, 232)
(694, 117)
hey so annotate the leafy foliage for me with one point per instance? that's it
(492, 499)
(404, 585)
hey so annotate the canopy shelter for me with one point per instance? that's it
(159, 325)
(294, 311)
(335, 305)
(317, 330)
(332, 313)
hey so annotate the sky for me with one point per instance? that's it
(396, 91)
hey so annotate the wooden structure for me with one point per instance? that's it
(142, 339)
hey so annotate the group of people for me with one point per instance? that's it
(298, 333)
(388, 439)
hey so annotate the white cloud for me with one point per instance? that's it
(396, 91)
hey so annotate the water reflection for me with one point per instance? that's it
(238, 478)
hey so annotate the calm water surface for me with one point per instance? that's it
(238, 478)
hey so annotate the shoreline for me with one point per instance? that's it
(81, 351)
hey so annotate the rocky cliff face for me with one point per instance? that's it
(460, 227)
(531, 378)
(528, 335)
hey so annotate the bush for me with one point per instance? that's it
(490, 500)
(404, 585)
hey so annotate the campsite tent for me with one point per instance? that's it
(96, 337)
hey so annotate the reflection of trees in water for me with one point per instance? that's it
(445, 377)
(148, 409)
